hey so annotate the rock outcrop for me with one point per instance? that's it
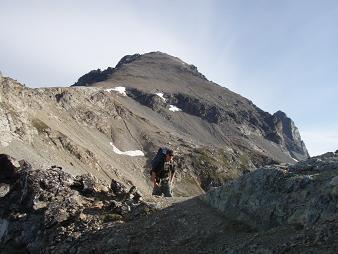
(43, 211)
(303, 195)
(8, 170)
(286, 133)
(95, 76)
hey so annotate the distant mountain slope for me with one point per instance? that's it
(189, 90)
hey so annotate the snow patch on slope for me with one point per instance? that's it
(162, 96)
(120, 89)
(174, 108)
(129, 153)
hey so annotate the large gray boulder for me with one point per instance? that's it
(303, 195)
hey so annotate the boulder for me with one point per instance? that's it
(4, 189)
(118, 188)
(304, 195)
(8, 169)
(90, 184)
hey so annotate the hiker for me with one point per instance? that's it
(162, 172)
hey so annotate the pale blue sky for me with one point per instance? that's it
(282, 55)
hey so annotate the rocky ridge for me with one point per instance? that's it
(303, 196)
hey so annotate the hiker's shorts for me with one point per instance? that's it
(164, 187)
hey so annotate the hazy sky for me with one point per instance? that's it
(282, 55)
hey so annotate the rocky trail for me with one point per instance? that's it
(188, 226)
(191, 226)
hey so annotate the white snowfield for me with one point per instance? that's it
(162, 96)
(174, 108)
(120, 89)
(129, 153)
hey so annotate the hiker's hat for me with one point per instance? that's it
(170, 152)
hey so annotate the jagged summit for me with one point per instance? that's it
(127, 59)
(288, 135)
(147, 66)
(280, 114)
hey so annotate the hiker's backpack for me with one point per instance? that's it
(162, 151)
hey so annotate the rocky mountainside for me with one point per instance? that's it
(275, 209)
(113, 124)
(183, 86)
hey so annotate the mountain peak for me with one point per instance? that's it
(127, 59)
(148, 65)
(154, 55)
(280, 115)
(289, 135)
